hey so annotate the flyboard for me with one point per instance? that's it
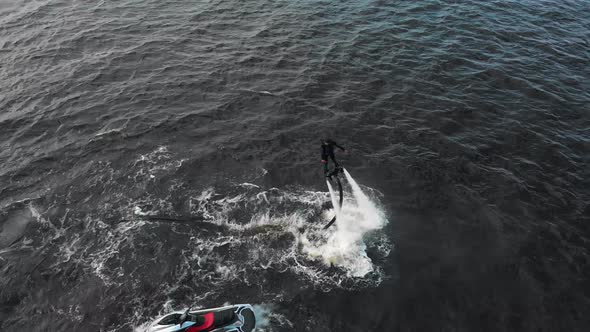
(334, 174)
(232, 318)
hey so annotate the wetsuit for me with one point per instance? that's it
(328, 152)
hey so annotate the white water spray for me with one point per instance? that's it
(334, 199)
(373, 217)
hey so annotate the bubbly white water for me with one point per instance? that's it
(256, 227)
(342, 245)
(266, 315)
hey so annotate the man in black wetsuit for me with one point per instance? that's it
(328, 152)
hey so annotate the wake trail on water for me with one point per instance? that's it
(270, 228)
(223, 236)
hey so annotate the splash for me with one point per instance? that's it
(267, 317)
(373, 217)
(167, 308)
(262, 313)
(346, 247)
(245, 233)
(241, 234)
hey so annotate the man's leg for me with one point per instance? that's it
(325, 164)
(336, 165)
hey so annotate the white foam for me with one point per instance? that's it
(262, 229)
(257, 225)
(343, 245)
(158, 162)
(265, 314)
(249, 185)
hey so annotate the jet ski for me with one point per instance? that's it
(233, 318)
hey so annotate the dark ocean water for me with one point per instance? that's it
(161, 154)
